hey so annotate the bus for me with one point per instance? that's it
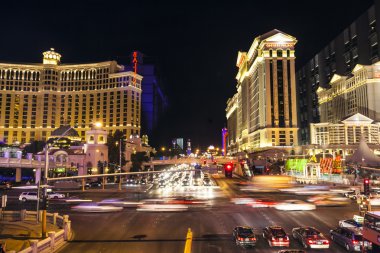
(371, 229)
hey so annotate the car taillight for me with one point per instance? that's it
(252, 239)
(310, 241)
(286, 238)
(355, 241)
(325, 242)
(273, 239)
(240, 238)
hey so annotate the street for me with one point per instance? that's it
(133, 231)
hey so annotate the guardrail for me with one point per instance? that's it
(54, 239)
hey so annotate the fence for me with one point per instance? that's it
(54, 239)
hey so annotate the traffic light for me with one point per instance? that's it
(366, 186)
(228, 170)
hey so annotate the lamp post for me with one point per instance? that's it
(120, 143)
(44, 196)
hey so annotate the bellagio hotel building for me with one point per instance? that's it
(35, 99)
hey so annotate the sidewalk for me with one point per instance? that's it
(16, 234)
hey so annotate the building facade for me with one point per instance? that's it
(348, 95)
(263, 112)
(356, 44)
(347, 132)
(37, 98)
(153, 100)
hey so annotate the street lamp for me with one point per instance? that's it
(44, 197)
(120, 165)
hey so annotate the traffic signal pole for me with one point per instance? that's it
(44, 195)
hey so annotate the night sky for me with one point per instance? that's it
(193, 43)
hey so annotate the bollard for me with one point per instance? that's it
(51, 234)
(33, 245)
(55, 218)
(67, 230)
(22, 214)
(189, 240)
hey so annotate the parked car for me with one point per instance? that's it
(28, 196)
(276, 236)
(244, 236)
(350, 238)
(310, 237)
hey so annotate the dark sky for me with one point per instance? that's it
(194, 44)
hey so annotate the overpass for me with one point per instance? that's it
(191, 160)
(22, 163)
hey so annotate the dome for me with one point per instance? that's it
(66, 131)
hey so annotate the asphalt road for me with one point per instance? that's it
(140, 232)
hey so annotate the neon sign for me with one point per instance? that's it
(134, 61)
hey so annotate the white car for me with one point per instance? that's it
(54, 195)
(28, 196)
(295, 205)
(351, 223)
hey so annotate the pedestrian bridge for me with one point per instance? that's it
(21, 163)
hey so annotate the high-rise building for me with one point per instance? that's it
(37, 98)
(356, 44)
(263, 112)
(153, 101)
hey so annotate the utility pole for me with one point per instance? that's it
(120, 143)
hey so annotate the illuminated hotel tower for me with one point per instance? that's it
(263, 112)
(36, 98)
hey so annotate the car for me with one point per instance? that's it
(276, 236)
(93, 184)
(351, 194)
(350, 223)
(28, 196)
(310, 237)
(294, 205)
(131, 181)
(350, 238)
(54, 195)
(291, 251)
(262, 202)
(332, 201)
(244, 236)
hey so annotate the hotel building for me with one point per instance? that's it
(358, 43)
(263, 112)
(349, 110)
(37, 98)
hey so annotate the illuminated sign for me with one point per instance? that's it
(134, 61)
(280, 45)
